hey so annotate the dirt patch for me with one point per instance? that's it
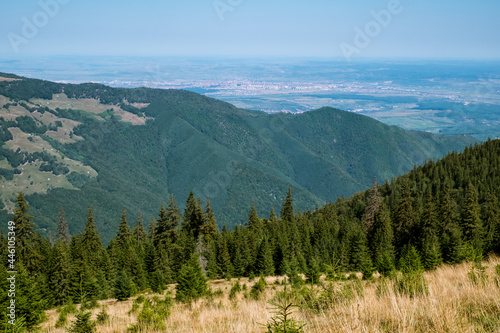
(8, 79)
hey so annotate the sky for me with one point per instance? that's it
(346, 29)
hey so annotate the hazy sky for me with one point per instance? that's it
(314, 28)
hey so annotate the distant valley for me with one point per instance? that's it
(69, 146)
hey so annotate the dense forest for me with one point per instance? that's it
(442, 212)
(188, 142)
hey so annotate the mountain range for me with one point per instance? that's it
(69, 146)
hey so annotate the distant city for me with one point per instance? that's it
(447, 97)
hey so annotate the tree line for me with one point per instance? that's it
(445, 211)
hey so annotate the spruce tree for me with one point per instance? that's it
(139, 234)
(254, 222)
(264, 264)
(123, 287)
(287, 213)
(452, 244)
(25, 233)
(491, 223)
(209, 228)
(62, 227)
(122, 245)
(373, 205)
(383, 242)
(193, 217)
(405, 217)
(191, 284)
(472, 224)
(430, 245)
(223, 258)
(59, 266)
(91, 242)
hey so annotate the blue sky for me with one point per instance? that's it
(247, 28)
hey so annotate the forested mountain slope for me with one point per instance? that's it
(73, 145)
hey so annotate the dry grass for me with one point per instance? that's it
(8, 79)
(454, 304)
(89, 105)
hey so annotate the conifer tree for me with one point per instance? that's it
(405, 216)
(58, 273)
(491, 224)
(410, 260)
(62, 227)
(254, 222)
(431, 248)
(123, 287)
(374, 202)
(191, 282)
(452, 244)
(472, 224)
(122, 245)
(139, 234)
(193, 216)
(360, 255)
(223, 258)
(264, 264)
(25, 234)
(287, 213)
(91, 242)
(383, 242)
(209, 228)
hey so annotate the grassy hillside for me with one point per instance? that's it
(130, 148)
(454, 303)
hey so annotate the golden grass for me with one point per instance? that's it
(89, 105)
(454, 304)
(8, 79)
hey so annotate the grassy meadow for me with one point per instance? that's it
(461, 298)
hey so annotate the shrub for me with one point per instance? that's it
(282, 320)
(83, 324)
(62, 320)
(258, 288)
(102, 316)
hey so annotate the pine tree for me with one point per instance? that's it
(123, 287)
(405, 217)
(62, 228)
(431, 248)
(25, 234)
(410, 260)
(313, 271)
(193, 216)
(287, 213)
(139, 234)
(374, 202)
(58, 273)
(472, 224)
(223, 258)
(383, 242)
(492, 224)
(360, 254)
(152, 229)
(209, 228)
(91, 242)
(123, 250)
(191, 282)
(452, 244)
(264, 264)
(254, 222)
